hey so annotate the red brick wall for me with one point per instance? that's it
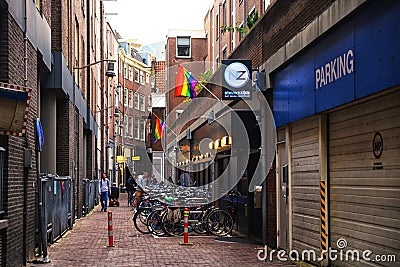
(12, 71)
(198, 52)
(280, 24)
(160, 76)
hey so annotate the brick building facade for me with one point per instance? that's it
(61, 41)
(18, 215)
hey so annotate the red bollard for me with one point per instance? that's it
(186, 228)
(110, 230)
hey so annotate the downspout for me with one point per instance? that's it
(244, 14)
(26, 172)
(102, 126)
(219, 34)
(165, 148)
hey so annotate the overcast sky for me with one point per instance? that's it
(149, 20)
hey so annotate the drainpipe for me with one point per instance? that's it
(219, 33)
(103, 166)
(26, 172)
(244, 14)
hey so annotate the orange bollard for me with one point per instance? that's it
(110, 230)
(186, 228)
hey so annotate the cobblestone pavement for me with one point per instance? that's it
(86, 245)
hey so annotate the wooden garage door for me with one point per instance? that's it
(364, 189)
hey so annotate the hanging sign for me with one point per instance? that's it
(236, 81)
(14, 107)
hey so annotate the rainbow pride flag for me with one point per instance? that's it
(158, 130)
(185, 83)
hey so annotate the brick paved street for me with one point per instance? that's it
(86, 245)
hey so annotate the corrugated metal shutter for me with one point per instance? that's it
(305, 184)
(365, 199)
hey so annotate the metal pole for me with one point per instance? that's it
(110, 230)
(185, 227)
(219, 33)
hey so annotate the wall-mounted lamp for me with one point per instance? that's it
(110, 73)
(217, 143)
(211, 145)
(226, 140)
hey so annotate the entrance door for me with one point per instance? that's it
(283, 190)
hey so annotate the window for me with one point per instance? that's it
(125, 72)
(141, 103)
(137, 101)
(125, 125)
(137, 124)
(266, 4)
(136, 75)
(241, 35)
(224, 52)
(130, 127)
(130, 73)
(218, 26)
(183, 46)
(142, 130)
(147, 78)
(83, 6)
(224, 14)
(130, 98)
(125, 97)
(141, 77)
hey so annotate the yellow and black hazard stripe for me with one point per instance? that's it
(324, 232)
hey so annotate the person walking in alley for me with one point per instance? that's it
(104, 191)
(130, 187)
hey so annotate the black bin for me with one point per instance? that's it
(114, 192)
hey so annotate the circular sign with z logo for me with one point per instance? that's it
(237, 75)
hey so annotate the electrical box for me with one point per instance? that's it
(28, 158)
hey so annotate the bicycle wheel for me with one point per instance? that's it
(140, 220)
(219, 222)
(154, 222)
(199, 227)
(170, 225)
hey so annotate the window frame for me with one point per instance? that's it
(136, 75)
(136, 129)
(130, 100)
(130, 127)
(178, 46)
(126, 97)
(125, 126)
(141, 77)
(136, 100)
(142, 134)
(142, 102)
